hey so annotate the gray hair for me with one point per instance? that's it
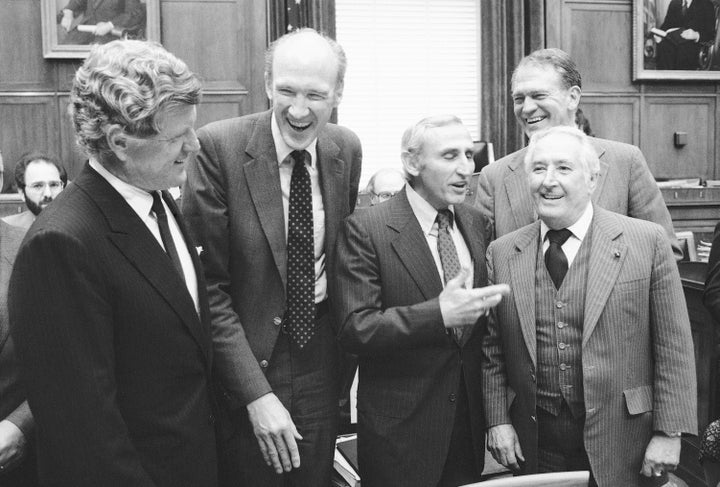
(414, 136)
(588, 156)
(556, 59)
(127, 82)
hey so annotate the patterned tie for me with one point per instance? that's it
(300, 315)
(555, 259)
(167, 239)
(448, 256)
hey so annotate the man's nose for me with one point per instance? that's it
(528, 105)
(466, 166)
(192, 144)
(298, 108)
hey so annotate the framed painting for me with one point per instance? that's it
(71, 27)
(676, 40)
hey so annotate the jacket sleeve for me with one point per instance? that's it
(204, 206)
(65, 344)
(366, 325)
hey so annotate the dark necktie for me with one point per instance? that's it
(684, 7)
(448, 256)
(300, 317)
(165, 235)
(555, 259)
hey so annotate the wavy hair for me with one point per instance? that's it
(127, 82)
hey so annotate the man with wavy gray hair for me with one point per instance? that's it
(588, 362)
(117, 353)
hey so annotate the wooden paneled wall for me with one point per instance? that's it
(221, 40)
(598, 35)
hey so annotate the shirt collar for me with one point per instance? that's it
(138, 199)
(579, 229)
(424, 211)
(283, 150)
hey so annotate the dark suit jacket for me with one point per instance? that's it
(116, 359)
(13, 405)
(711, 296)
(700, 17)
(122, 13)
(233, 205)
(625, 186)
(387, 286)
(637, 350)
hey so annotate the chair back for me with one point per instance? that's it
(555, 479)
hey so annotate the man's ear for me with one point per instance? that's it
(117, 141)
(575, 93)
(410, 163)
(268, 87)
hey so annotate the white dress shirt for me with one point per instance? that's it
(579, 229)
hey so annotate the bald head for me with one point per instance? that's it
(385, 184)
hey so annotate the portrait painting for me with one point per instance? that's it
(71, 27)
(676, 39)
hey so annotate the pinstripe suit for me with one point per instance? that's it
(116, 357)
(388, 287)
(625, 186)
(638, 372)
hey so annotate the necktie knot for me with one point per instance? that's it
(157, 206)
(558, 236)
(299, 157)
(444, 219)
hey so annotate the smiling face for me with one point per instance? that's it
(303, 88)
(442, 169)
(560, 182)
(541, 101)
(158, 162)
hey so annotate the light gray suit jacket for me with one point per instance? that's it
(625, 186)
(637, 349)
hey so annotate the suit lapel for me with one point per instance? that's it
(135, 241)
(334, 191)
(522, 281)
(603, 171)
(607, 254)
(517, 190)
(412, 248)
(474, 239)
(263, 177)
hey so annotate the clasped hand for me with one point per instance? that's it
(462, 307)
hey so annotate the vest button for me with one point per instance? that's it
(561, 324)
(559, 304)
(264, 364)
(561, 346)
(277, 321)
(563, 367)
(452, 397)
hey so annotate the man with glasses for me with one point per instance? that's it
(39, 178)
(384, 184)
(108, 308)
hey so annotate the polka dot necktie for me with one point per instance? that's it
(448, 256)
(300, 315)
(555, 259)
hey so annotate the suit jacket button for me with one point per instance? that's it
(277, 321)
(532, 418)
(452, 397)
(211, 419)
(532, 377)
(264, 364)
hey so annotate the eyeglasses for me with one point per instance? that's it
(385, 195)
(40, 186)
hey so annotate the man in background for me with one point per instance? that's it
(384, 184)
(39, 178)
(589, 362)
(108, 307)
(264, 199)
(101, 21)
(687, 24)
(546, 91)
(410, 277)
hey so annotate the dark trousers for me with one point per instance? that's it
(24, 474)
(306, 382)
(560, 442)
(460, 465)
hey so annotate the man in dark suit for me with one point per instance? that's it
(546, 90)
(689, 22)
(108, 308)
(264, 199)
(109, 19)
(589, 361)
(17, 457)
(409, 276)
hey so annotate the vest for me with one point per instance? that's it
(559, 329)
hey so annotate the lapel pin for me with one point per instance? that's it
(617, 254)
(199, 250)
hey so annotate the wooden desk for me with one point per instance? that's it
(705, 341)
